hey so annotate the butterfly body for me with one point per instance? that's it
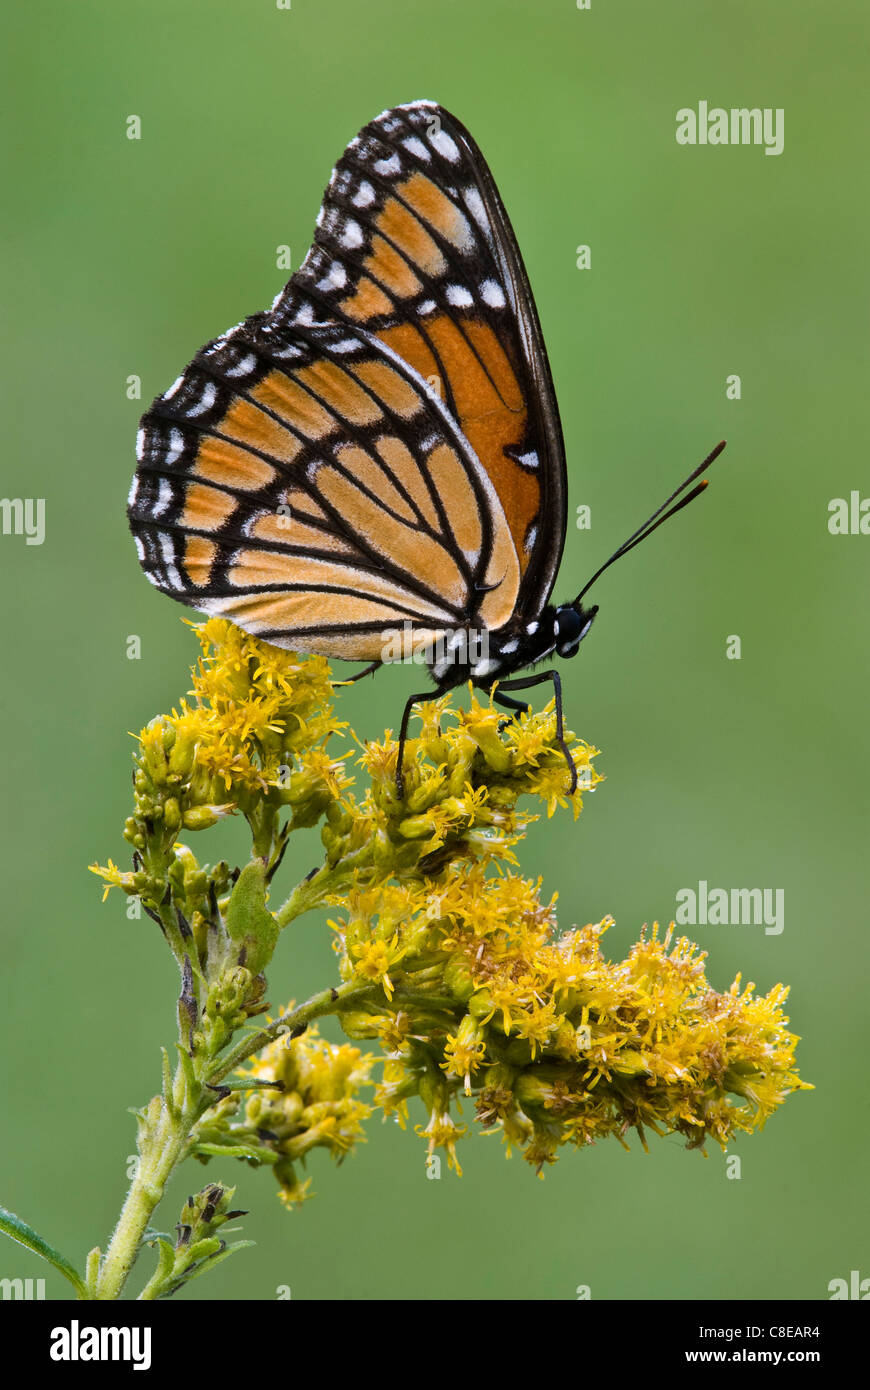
(476, 655)
(380, 452)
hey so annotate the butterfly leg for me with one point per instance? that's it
(507, 703)
(403, 735)
(366, 671)
(525, 684)
(518, 706)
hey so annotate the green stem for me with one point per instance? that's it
(311, 892)
(163, 1147)
(305, 895)
(165, 1142)
(326, 1002)
(166, 1130)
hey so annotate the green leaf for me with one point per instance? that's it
(250, 1084)
(237, 1151)
(19, 1230)
(206, 1265)
(249, 922)
(165, 1258)
(203, 1249)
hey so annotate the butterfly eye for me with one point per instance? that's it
(567, 629)
(570, 627)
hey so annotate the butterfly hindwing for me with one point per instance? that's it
(294, 481)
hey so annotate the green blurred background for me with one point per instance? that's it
(125, 256)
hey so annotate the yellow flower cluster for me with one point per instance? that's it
(447, 957)
(257, 714)
(556, 1044)
(250, 737)
(318, 1106)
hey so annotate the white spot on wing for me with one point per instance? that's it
(364, 196)
(352, 234)
(205, 402)
(417, 147)
(445, 146)
(474, 203)
(493, 294)
(168, 553)
(176, 444)
(167, 395)
(164, 497)
(140, 444)
(336, 278)
(306, 316)
(459, 296)
(388, 166)
(243, 368)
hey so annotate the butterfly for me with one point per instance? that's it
(374, 466)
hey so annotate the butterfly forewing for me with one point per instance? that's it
(378, 448)
(413, 243)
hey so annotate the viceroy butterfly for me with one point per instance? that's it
(381, 449)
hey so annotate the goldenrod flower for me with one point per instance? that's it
(448, 957)
(313, 1104)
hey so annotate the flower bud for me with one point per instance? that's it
(356, 1023)
(494, 751)
(458, 977)
(182, 755)
(425, 795)
(434, 1094)
(417, 828)
(203, 817)
(480, 1004)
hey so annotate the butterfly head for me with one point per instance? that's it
(571, 622)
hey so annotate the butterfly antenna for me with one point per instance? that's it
(657, 519)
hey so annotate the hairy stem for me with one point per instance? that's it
(326, 1002)
(161, 1149)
